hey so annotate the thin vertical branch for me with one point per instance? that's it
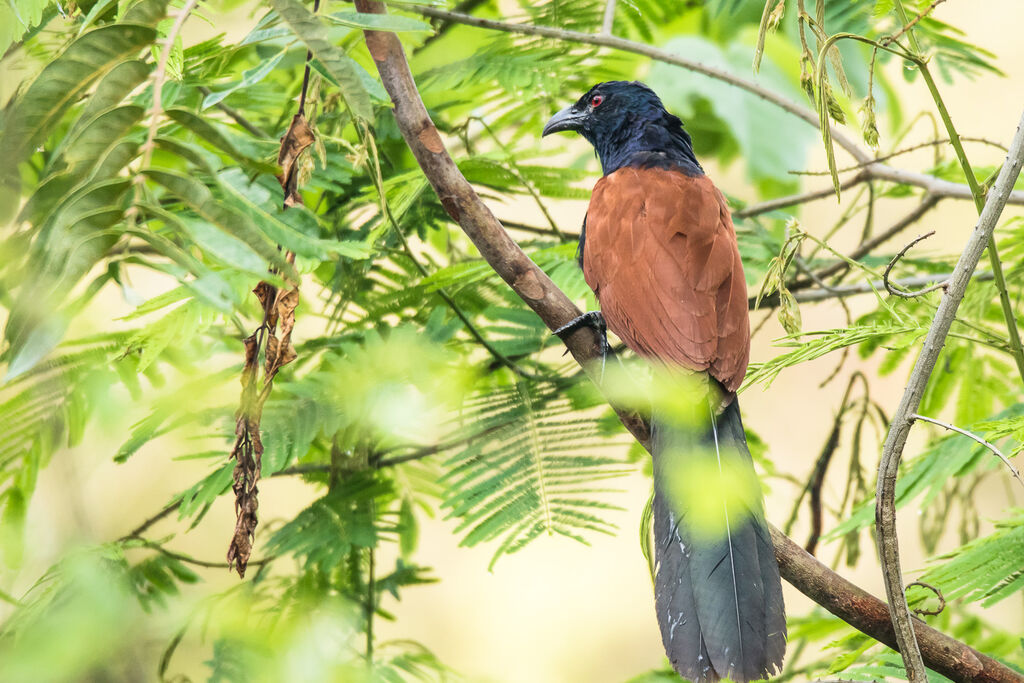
(608, 23)
(1016, 346)
(159, 76)
(305, 74)
(903, 418)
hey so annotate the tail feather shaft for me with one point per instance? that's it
(717, 586)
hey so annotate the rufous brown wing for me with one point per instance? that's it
(661, 255)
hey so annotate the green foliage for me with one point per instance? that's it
(534, 475)
(987, 569)
(422, 385)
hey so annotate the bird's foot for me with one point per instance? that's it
(595, 321)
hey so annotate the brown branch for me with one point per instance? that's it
(941, 284)
(802, 198)
(464, 206)
(945, 655)
(869, 615)
(902, 419)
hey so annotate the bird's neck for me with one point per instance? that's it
(647, 144)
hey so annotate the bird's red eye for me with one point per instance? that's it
(596, 100)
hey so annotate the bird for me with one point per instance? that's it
(659, 250)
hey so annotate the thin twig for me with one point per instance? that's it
(911, 24)
(142, 528)
(794, 199)
(188, 559)
(518, 173)
(843, 291)
(238, 118)
(990, 446)
(900, 152)
(944, 654)
(447, 298)
(928, 202)
(938, 593)
(305, 74)
(876, 170)
(899, 429)
(159, 76)
(941, 284)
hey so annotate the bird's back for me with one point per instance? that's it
(661, 254)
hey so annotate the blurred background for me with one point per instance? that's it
(559, 610)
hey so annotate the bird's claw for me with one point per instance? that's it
(595, 321)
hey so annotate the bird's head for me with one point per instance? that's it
(623, 119)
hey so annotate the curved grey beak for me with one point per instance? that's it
(567, 119)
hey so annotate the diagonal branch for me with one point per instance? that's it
(903, 418)
(862, 611)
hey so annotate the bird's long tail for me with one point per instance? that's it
(717, 587)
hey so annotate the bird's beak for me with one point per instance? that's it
(567, 119)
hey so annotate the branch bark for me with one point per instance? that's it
(868, 614)
(902, 419)
(946, 655)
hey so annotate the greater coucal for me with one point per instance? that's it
(659, 250)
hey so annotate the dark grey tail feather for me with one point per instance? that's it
(718, 598)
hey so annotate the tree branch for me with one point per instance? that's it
(990, 446)
(872, 168)
(895, 288)
(864, 248)
(868, 614)
(841, 292)
(794, 199)
(853, 605)
(902, 419)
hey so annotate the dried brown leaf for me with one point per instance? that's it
(299, 137)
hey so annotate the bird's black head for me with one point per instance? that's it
(628, 125)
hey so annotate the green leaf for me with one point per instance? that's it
(211, 134)
(147, 12)
(987, 569)
(60, 85)
(42, 338)
(249, 77)
(294, 228)
(378, 22)
(116, 85)
(100, 135)
(309, 29)
(197, 196)
(17, 18)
